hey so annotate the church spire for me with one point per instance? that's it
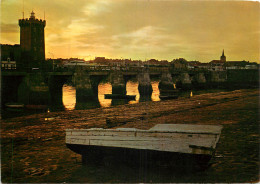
(223, 57)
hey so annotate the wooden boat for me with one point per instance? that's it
(34, 106)
(167, 97)
(118, 96)
(174, 91)
(164, 141)
(169, 94)
(14, 105)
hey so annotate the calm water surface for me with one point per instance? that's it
(69, 99)
(69, 94)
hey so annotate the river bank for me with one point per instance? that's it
(33, 147)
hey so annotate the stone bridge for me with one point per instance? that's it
(46, 87)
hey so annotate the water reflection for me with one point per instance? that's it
(69, 96)
(132, 89)
(104, 88)
(156, 91)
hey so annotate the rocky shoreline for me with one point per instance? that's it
(33, 147)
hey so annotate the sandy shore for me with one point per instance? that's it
(33, 147)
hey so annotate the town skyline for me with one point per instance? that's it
(169, 29)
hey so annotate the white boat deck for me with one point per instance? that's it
(186, 128)
(193, 139)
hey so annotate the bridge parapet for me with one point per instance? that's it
(137, 69)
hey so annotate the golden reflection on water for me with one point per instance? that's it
(156, 91)
(104, 88)
(69, 97)
(132, 89)
(69, 94)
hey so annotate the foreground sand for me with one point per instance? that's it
(33, 147)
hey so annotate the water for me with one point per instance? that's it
(69, 99)
(69, 94)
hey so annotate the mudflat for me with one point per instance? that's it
(33, 147)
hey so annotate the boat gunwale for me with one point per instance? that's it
(145, 131)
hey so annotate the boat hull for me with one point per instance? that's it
(36, 106)
(168, 97)
(118, 96)
(14, 105)
(169, 94)
(135, 157)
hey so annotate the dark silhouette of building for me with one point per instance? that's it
(11, 52)
(223, 57)
(32, 41)
(218, 64)
(10, 56)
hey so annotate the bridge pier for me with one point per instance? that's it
(218, 78)
(9, 88)
(87, 97)
(34, 90)
(184, 81)
(166, 86)
(55, 86)
(118, 83)
(84, 89)
(199, 80)
(166, 82)
(144, 87)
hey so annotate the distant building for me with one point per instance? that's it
(196, 65)
(10, 53)
(151, 62)
(218, 65)
(100, 60)
(179, 64)
(241, 65)
(74, 63)
(222, 64)
(8, 64)
(193, 64)
(252, 66)
(205, 66)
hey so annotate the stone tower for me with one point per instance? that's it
(223, 57)
(32, 41)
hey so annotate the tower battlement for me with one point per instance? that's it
(32, 21)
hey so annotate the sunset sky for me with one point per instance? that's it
(140, 29)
